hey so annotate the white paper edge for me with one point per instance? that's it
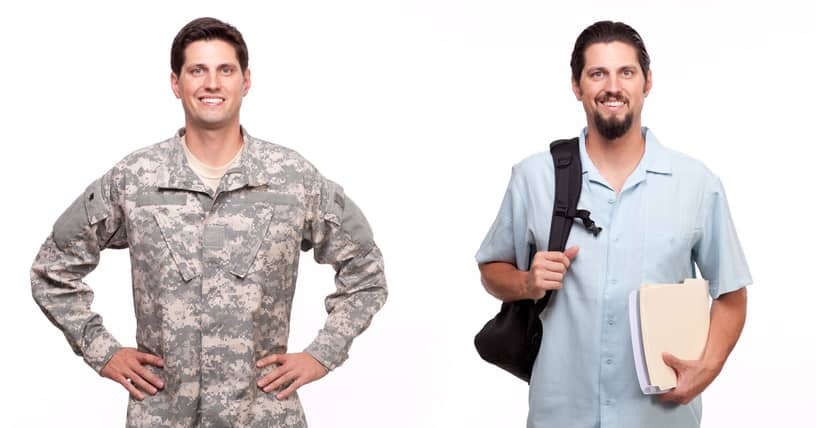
(637, 346)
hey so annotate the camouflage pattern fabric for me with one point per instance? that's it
(213, 276)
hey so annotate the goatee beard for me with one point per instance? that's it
(612, 128)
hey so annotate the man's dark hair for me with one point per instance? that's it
(207, 29)
(607, 32)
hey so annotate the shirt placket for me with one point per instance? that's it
(213, 257)
(610, 361)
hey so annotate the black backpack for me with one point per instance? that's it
(511, 339)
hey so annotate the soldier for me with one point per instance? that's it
(215, 221)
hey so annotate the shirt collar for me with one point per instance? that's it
(177, 174)
(655, 159)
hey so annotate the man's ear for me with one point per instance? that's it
(647, 86)
(174, 84)
(247, 81)
(576, 89)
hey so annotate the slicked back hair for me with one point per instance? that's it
(207, 29)
(607, 32)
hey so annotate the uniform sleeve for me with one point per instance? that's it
(340, 235)
(93, 222)
(717, 250)
(507, 239)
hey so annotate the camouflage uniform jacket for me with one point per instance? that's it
(213, 276)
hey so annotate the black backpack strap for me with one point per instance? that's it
(568, 172)
(568, 179)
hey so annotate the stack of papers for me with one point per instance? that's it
(671, 318)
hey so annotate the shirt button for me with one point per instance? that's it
(616, 239)
(608, 402)
(613, 281)
(611, 200)
(611, 322)
(608, 361)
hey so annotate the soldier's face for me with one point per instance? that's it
(612, 88)
(210, 85)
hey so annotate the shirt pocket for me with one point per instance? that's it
(179, 229)
(266, 231)
(667, 256)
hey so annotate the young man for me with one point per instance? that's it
(215, 221)
(659, 210)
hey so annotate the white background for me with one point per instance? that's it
(419, 109)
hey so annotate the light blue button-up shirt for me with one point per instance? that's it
(670, 214)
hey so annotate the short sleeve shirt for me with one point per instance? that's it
(670, 215)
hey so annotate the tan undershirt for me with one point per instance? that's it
(210, 176)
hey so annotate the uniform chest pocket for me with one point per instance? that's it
(179, 226)
(261, 224)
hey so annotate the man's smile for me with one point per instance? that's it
(211, 100)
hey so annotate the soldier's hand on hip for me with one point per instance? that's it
(127, 366)
(547, 271)
(295, 370)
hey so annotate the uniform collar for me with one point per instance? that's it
(655, 160)
(176, 173)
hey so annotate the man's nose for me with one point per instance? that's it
(212, 82)
(612, 84)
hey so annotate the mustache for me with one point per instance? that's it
(605, 96)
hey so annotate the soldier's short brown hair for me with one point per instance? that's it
(207, 29)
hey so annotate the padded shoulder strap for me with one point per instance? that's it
(567, 163)
(568, 179)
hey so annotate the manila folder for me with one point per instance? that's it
(674, 318)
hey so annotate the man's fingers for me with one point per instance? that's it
(272, 376)
(131, 388)
(144, 373)
(280, 381)
(151, 359)
(670, 396)
(672, 361)
(563, 259)
(270, 359)
(142, 384)
(290, 389)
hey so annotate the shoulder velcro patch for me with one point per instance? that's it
(89, 208)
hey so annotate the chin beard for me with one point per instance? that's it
(612, 128)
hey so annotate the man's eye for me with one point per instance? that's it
(226, 71)
(628, 73)
(596, 74)
(196, 71)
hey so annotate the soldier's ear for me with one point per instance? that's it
(247, 81)
(174, 84)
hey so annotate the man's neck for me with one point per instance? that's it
(616, 159)
(214, 147)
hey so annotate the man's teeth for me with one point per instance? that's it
(613, 103)
(212, 100)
